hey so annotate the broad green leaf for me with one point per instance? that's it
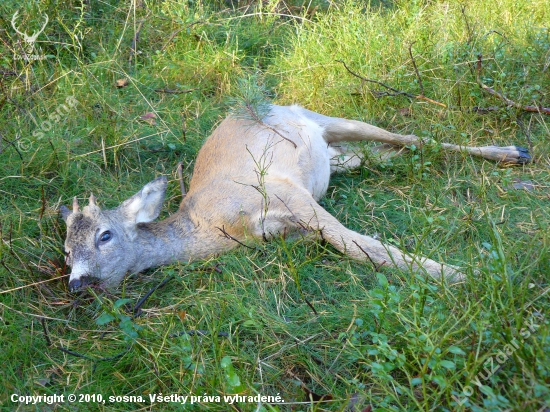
(104, 318)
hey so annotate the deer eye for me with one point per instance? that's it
(105, 236)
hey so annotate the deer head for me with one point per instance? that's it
(101, 245)
(28, 39)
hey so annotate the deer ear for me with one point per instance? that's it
(145, 205)
(65, 212)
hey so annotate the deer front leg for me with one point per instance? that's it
(298, 208)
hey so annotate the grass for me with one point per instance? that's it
(393, 340)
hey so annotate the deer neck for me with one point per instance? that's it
(167, 241)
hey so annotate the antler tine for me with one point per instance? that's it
(46, 22)
(35, 34)
(92, 200)
(13, 20)
(75, 205)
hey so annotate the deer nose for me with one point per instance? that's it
(75, 284)
(79, 283)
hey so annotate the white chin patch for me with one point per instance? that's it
(78, 270)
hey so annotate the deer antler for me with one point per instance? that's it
(15, 15)
(75, 205)
(27, 38)
(37, 33)
(92, 200)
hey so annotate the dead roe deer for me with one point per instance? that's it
(252, 180)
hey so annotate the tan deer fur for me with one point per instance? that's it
(252, 180)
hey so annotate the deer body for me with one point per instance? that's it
(252, 181)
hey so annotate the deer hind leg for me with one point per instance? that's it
(338, 130)
(344, 157)
(298, 209)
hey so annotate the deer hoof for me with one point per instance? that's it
(523, 155)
